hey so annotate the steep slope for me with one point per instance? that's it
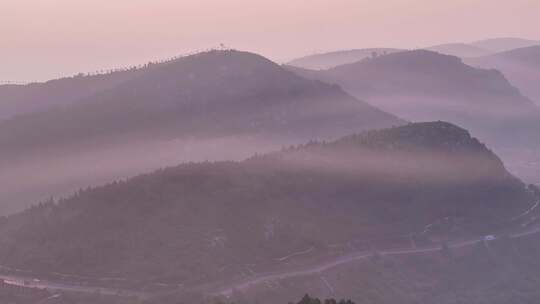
(201, 222)
(520, 66)
(221, 100)
(459, 49)
(333, 59)
(423, 85)
(504, 44)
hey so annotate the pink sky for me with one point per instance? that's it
(41, 39)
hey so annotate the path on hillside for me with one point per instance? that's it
(227, 290)
(32, 282)
(317, 269)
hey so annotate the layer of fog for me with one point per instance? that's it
(30, 181)
(37, 163)
(444, 166)
(494, 121)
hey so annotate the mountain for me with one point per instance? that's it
(423, 85)
(35, 97)
(210, 94)
(483, 47)
(332, 59)
(504, 44)
(521, 67)
(462, 50)
(213, 105)
(203, 222)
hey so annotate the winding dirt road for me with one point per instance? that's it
(317, 269)
(227, 290)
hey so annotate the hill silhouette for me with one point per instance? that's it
(200, 222)
(209, 94)
(422, 85)
(520, 66)
(221, 99)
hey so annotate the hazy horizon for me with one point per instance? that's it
(85, 36)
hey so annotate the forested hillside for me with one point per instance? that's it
(36, 97)
(200, 222)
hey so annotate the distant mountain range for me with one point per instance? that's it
(331, 59)
(483, 47)
(480, 48)
(521, 67)
(504, 44)
(125, 123)
(423, 85)
(201, 222)
(462, 50)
